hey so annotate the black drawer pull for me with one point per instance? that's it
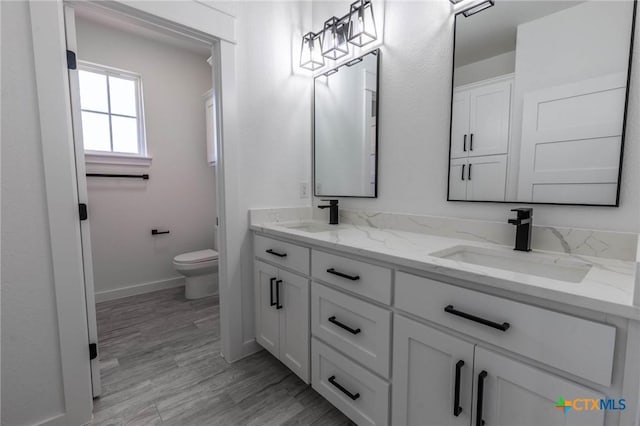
(457, 409)
(278, 304)
(502, 327)
(343, 275)
(483, 375)
(332, 380)
(275, 253)
(333, 320)
(272, 303)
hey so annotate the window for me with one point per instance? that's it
(112, 116)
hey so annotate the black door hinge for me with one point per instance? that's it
(82, 208)
(93, 351)
(72, 64)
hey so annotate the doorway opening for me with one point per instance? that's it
(145, 139)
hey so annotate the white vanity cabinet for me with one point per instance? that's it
(282, 311)
(432, 376)
(388, 346)
(436, 375)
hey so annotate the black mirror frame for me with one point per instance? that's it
(375, 52)
(623, 135)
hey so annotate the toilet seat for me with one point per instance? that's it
(196, 257)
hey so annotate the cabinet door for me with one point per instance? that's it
(486, 178)
(425, 370)
(489, 111)
(267, 315)
(211, 134)
(294, 323)
(514, 393)
(460, 124)
(458, 179)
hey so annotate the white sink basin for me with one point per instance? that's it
(541, 265)
(312, 227)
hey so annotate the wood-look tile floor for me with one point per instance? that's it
(160, 364)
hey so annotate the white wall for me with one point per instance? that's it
(31, 383)
(415, 101)
(498, 65)
(274, 113)
(180, 194)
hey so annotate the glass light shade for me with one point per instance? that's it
(334, 39)
(362, 26)
(311, 54)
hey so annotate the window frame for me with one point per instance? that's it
(111, 156)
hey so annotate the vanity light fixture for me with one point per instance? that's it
(478, 7)
(362, 26)
(334, 38)
(311, 54)
(331, 71)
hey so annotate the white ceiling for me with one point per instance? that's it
(141, 28)
(493, 31)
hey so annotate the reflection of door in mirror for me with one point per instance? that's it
(539, 102)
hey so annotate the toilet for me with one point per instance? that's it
(200, 269)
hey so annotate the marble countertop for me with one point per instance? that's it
(608, 287)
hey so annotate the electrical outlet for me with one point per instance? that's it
(304, 190)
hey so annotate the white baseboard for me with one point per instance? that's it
(103, 296)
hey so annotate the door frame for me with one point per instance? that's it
(194, 18)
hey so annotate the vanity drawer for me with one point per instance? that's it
(281, 253)
(578, 346)
(359, 394)
(359, 277)
(355, 327)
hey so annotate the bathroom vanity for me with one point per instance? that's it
(406, 328)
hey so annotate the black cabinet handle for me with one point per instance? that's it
(343, 275)
(333, 320)
(502, 327)
(272, 303)
(462, 175)
(278, 304)
(457, 409)
(481, 377)
(464, 144)
(469, 174)
(275, 253)
(471, 143)
(156, 232)
(332, 380)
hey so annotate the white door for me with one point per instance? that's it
(267, 312)
(571, 140)
(486, 178)
(458, 179)
(85, 231)
(460, 124)
(514, 393)
(294, 323)
(489, 112)
(432, 376)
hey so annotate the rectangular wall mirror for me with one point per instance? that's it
(539, 102)
(345, 136)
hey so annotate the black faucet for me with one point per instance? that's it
(333, 211)
(523, 223)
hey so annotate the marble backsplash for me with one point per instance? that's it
(584, 242)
